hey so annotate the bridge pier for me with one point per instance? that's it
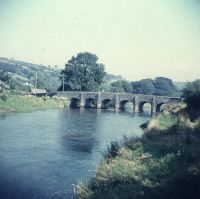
(136, 105)
(98, 105)
(136, 108)
(118, 99)
(98, 100)
(116, 102)
(82, 103)
(153, 107)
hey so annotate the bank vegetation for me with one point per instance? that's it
(163, 163)
(20, 103)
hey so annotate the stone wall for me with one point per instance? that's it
(101, 100)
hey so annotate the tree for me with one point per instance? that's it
(4, 77)
(104, 87)
(164, 86)
(120, 86)
(3, 94)
(82, 72)
(191, 93)
(144, 86)
(159, 86)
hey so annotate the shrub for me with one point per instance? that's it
(112, 151)
(3, 95)
(164, 163)
(192, 98)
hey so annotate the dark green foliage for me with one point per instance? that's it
(192, 98)
(82, 72)
(144, 86)
(120, 86)
(104, 87)
(162, 164)
(113, 150)
(4, 77)
(48, 80)
(160, 86)
(4, 81)
(113, 83)
(3, 94)
(163, 86)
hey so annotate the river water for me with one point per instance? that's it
(43, 153)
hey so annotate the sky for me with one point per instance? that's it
(136, 39)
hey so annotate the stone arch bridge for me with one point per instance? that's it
(100, 100)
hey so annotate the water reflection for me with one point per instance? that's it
(3, 115)
(43, 153)
(79, 131)
(82, 143)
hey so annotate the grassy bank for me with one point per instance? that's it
(27, 103)
(164, 163)
(160, 122)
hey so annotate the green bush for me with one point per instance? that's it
(3, 95)
(192, 98)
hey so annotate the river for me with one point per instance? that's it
(43, 153)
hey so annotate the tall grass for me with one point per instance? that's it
(27, 103)
(164, 163)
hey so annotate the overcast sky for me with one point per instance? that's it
(133, 38)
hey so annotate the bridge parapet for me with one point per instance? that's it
(106, 95)
(101, 99)
(69, 94)
(167, 100)
(126, 97)
(92, 95)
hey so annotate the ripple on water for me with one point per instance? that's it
(43, 153)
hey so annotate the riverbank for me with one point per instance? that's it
(17, 103)
(164, 163)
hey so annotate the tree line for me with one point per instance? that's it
(84, 73)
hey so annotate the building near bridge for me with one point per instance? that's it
(38, 92)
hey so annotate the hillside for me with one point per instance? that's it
(21, 75)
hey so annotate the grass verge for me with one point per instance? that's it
(27, 103)
(164, 163)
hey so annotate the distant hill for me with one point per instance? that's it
(23, 74)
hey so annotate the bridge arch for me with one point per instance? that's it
(126, 104)
(118, 100)
(74, 102)
(106, 103)
(90, 103)
(160, 107)
(142, 107)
